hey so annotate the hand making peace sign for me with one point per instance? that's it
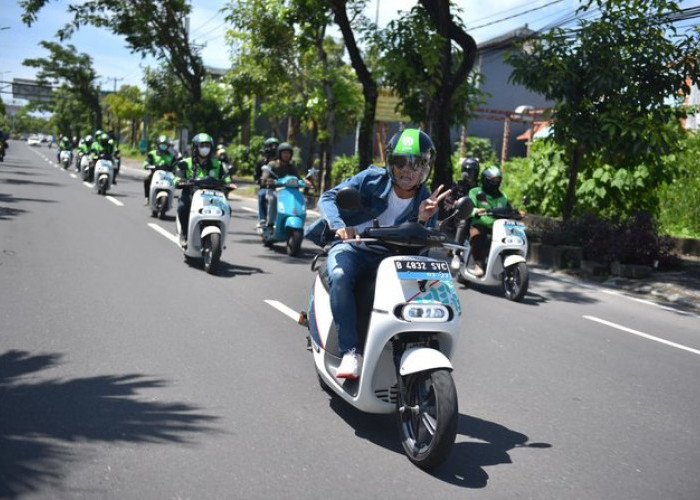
(429, 206)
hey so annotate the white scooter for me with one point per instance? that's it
(161, 191)
(84, 166)
(65, 158)
(210, 215)
(104, 174)
(408, 331)
(506, 263)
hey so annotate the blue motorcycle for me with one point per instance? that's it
(290, 208)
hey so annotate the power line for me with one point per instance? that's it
(513, 16)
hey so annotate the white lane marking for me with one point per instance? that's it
(287, 311)
(115, 201)
(642, 334)
(73, 176)
(87, 184)
(164, 232)
(650, 303)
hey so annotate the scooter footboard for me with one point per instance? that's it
(419, 359)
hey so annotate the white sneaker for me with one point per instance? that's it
(350, 365)
(455, 262)
(477, 271)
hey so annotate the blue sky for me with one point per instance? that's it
(112, 60)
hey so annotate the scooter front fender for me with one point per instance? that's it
(420, 359)
(209, 230)
(294, 222)
(513, 259)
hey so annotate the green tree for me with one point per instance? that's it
(149, 27)
(427, 57)
(610, 80)
(73, 69)
(127, 104)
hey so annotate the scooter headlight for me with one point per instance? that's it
(212, 211)
(426, 313)
(513, 240)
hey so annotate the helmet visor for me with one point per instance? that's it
(413, 162)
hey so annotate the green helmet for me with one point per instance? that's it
(200, 143)
(413, 148)
(162, 144)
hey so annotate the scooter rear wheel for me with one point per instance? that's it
(428, 423)
(515, 281)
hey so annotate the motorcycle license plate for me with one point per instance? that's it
(414, 269)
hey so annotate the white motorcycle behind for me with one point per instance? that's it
(506, 264)
(161, 192)
(207, 228)
(65, 158)
(104, 174)
(408, 333)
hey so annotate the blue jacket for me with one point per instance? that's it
(374, 185)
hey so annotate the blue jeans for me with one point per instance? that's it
(346, 263)
(262, 204)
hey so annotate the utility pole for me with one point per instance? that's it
(115, 81)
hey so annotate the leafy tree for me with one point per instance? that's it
(611, 80)
(74, 70)
(148, 26)
(127, 104)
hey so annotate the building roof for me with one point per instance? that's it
(506, 40)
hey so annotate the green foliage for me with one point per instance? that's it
(679, 208)
(610, 95)
(244, 157)
(344, 167)
(477, 147)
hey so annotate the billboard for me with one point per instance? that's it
(30, 90)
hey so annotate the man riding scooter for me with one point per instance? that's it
(485, 197)
(160, 158)
(283, 168)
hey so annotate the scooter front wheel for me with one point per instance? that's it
(428, 418)
(211, 252)
(294, 242)
(515, 281)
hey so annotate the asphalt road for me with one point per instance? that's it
(127, 373)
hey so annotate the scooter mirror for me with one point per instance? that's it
(266, 168)
(481, 196)
(464, 207)
(348, 198)
(526, 199)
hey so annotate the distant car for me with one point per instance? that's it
(34, 140)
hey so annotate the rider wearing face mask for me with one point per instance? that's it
(201, 164)
(161, 158)
(393, 195)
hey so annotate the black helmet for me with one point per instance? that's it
(285, 146)
(470, 170)
(270, 147)
(491, 180)
(411, 147)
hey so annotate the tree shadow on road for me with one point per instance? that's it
(39, 420)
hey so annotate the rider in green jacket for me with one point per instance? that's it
(485, 197)
(161, 158)
(199, 165)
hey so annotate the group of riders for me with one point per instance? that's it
(95, 147)
(391, 195)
